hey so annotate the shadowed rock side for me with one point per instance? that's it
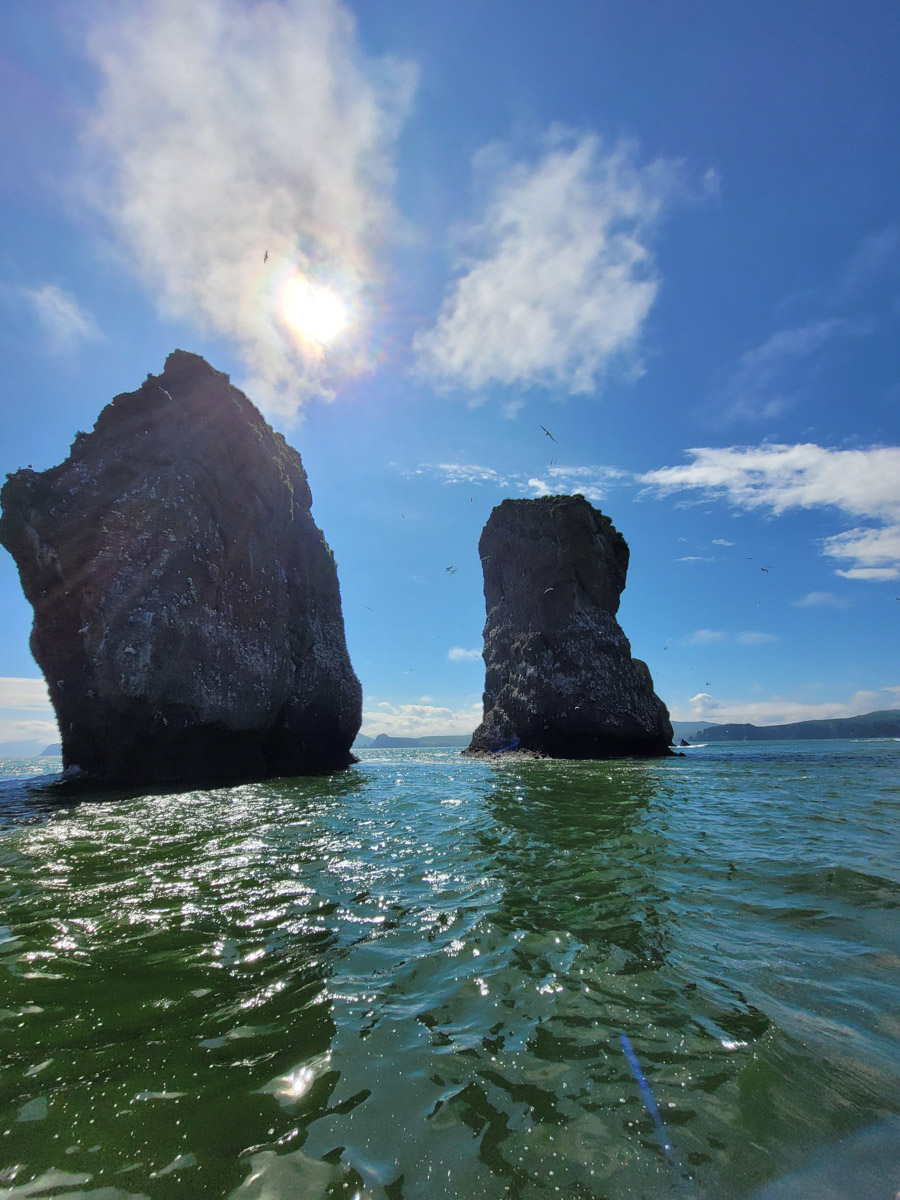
(187, 614)
(559, 676)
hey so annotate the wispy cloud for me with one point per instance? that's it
(592, 482)
(753, 637)
(468, 473)
(722, 542)
(860, 483)
(822, 600)
(24, 693)
(705, 637)
(769, 377)
(875, 552)
(558, 277)
(696, 558)
(65, 322)
(223, 130)
(717, 637)
(458, 654)
(876, 254)
(418, 720)
(25, 710)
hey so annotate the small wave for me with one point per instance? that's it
(869, 891)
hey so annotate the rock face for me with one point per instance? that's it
(187, 614)
(559, 676)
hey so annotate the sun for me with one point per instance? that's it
(312, 310)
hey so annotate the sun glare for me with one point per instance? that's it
(312, 310)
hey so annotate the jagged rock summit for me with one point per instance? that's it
(559, 676)
(187, 614)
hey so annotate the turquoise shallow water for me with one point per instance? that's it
(409, 980)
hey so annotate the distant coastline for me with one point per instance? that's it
(885, 723)
(385, 740)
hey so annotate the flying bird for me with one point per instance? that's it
(266, 256)
(451, 570)
(766, 569)
(548, 433)
(165, 393)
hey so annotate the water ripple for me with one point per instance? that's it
(409, 980)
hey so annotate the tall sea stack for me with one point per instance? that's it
(187, 615)
(559, 676)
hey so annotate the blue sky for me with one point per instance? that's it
(668, 234)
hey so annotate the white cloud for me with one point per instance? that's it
(822, 600)
(419, 720)
(560, 277)
(24, 693)
(696, 558)
(871, 573)
(64, 321)
(28, 731)
(25, 710)
(224, 130)
(722, 542)
(765, 380)
(705, 637)
(592, 482)
(874, 255)
(458, 654)
(468, 473)
(861, 483)
(780, 710)
(876, 552)
(712, 637)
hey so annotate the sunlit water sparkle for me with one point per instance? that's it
(409, 980)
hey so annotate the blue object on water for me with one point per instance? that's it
(649, 1101)
(513, 745)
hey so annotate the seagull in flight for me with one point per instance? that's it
(266, 256)
(548, 433)
(165, 393)
(451, 570)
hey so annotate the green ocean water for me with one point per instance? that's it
(409, 980)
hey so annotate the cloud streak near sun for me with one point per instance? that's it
(224, 130)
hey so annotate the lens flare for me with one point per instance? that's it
(312, 310)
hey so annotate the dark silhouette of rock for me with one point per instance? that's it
(559, 676)
(187, 614)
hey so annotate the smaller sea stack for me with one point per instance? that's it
(559, 676)
(187, 615)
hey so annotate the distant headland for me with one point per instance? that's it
(884, 723)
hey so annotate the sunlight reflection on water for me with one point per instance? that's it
(416, 989)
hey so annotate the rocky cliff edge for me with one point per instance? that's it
(187, 614)
(559, 676)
